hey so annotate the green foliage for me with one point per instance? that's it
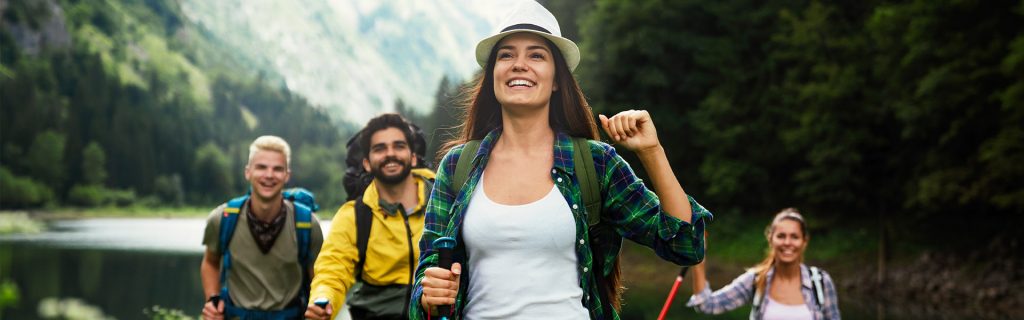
(8, 294)
(121, 197)
(87, 195)
(444, 123)
(21, 192)
(161, 313)
(27, 12)
(901, 111)
(45, 158)
(213, 168)
(952, 73)
(320, 170)
(94, 162)
(69, 309)
(142, 82)
(96, 195)
(169, 189)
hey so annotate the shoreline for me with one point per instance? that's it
(60, 213)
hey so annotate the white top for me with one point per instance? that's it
(522, 261)
(778, 311)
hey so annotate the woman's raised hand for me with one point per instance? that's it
(632, 129)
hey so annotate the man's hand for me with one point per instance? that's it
(440, 287)
(316, 312)
(213, 312)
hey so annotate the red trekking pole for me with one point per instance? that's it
(675, 286)
(672, 293)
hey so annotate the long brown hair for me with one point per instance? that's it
(761, 269)
(568, 111)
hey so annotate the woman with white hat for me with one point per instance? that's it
(524, 247)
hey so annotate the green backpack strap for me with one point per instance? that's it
(462, 167)
(590, 185)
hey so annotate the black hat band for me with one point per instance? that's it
(526, 26)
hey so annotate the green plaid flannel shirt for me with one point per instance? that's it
(632, 208)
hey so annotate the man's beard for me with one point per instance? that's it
(377, 173)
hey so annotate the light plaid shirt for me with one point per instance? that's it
(633, 210)
(741, 292)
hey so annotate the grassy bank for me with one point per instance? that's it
(115, 212)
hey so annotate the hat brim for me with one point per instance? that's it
(569, 50)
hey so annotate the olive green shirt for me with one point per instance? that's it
(260, 281)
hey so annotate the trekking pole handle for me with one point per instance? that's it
(321, 302)
(445, 246)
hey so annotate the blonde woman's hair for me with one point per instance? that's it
(761, 269)
(271, 143)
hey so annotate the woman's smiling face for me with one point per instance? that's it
(524, 71)
(788, 241)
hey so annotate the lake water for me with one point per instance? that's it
(123, 266)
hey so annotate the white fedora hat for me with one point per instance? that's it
(530, 16)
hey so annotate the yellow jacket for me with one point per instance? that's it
(387, 255)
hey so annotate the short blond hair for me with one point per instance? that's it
(271, 143)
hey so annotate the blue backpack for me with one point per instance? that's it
(305, 206)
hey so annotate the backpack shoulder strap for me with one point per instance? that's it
(303, 226)
(364, 220)
(465, 162)
(228, 222)
(816, 282)
(758, 295)
(590, 192)
(590, 184)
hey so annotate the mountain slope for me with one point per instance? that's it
(353, 58)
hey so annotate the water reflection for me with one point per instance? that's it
(124, 266)
(164, 235)
(121, 266)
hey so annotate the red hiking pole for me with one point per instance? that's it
(672, 293)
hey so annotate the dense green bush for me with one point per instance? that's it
(169, 189)
(19, 192)
(121, 197)
(94, 196)
(87, 196)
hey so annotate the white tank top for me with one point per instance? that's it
(522, 260)
(778, 311)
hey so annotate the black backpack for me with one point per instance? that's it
(356, 179)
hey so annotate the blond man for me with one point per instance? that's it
(260, 246)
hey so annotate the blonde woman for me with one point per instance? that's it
(781, 286)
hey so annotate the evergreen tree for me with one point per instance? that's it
(94, 171)
(45, 159)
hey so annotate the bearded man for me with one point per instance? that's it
(372, 248)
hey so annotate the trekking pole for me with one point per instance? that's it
(675, 286)
(444, 247)
(672, 293)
